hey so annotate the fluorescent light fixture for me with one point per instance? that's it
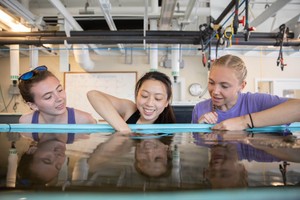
(17, 8)
(13, 24)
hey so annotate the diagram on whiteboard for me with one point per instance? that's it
(77, 84)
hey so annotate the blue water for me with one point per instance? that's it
(178, 161)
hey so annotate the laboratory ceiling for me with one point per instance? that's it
(140, 23)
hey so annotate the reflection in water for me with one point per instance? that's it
(153, 156)
(229, 149)
(181, 161)
(12, 166)
(225, 170)
(41, 163)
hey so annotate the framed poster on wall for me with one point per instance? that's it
(77, 84)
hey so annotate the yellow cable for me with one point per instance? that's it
(229, 37)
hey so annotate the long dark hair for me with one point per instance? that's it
(167, 116)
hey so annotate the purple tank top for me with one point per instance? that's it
(71, 120)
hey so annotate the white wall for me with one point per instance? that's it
(259, 66)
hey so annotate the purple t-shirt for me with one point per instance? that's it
(246, 103)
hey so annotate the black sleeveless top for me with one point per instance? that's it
(134, 117)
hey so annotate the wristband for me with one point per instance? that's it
(252, 125)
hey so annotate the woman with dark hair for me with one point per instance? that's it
(153, 94)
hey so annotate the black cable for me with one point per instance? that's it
(252, 125)
(283, 30)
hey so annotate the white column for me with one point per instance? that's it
(14, 61)
(153, 48)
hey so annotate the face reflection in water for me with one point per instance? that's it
(152, 157)
(48, 159)
(225, 171)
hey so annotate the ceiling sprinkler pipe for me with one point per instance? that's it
(175, 61)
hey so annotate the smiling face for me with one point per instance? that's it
(223, 87)
(226, 79)
(151, 100)
(49, 96)
(152, 157)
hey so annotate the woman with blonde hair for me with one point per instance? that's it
(227, 79)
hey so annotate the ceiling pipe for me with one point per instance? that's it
(135, 40)
(84, 62)
(225, 12)
(145, 21)
(175, 56)
(129, 34)
(14, 61)
(153, 48)
(82, 56)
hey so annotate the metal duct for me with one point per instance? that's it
(82, 56)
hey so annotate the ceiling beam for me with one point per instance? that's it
(166, 14)
(106, 7)
(269, 12)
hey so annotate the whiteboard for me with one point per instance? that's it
(77, 84)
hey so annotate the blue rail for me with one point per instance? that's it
(140, 128)
(251, 194)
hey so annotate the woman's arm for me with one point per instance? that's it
(284, 113)
(112, 109)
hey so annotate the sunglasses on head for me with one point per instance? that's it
(28, 75)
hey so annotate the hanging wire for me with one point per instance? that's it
(229, 36)
(215, 32)
(283, 31)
